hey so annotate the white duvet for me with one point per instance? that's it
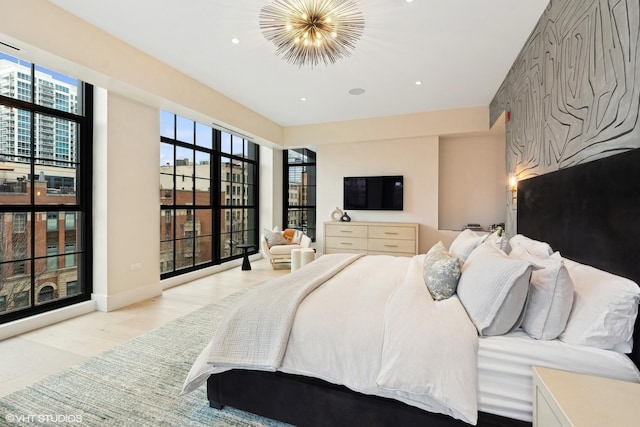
(374, 328)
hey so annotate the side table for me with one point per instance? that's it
(245, 249)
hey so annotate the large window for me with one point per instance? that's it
(300, 191)
(45, 188)
(208, 195)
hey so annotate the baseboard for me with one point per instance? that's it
(113, 302)
(37, 321)
(198, 274)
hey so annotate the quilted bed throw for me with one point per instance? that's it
(254, 333)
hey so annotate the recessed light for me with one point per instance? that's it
(303, 99)
(235, 40)
(356, 91)
(408, 1)
(418, 82)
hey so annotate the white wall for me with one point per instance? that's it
(271, 196)
(414, 158)
(473, 181)
(126, 202)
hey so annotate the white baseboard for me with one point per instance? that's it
(198, 274)
(122, 299)
(31, 323)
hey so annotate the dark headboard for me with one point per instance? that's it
(591, 214)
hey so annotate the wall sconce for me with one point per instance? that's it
(513, 186)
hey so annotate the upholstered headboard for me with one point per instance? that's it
(591, 214)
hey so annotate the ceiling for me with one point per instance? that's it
(460, 50)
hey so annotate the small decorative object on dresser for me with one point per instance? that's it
(336, 214)
(345, 217)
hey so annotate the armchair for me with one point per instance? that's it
(278, 249)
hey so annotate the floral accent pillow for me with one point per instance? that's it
(441, 272)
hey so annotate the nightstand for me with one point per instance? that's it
(562, 398)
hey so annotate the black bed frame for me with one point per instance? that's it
(587, 212)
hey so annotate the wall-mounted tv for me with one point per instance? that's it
(379, 193)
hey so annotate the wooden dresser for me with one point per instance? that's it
(373, 238)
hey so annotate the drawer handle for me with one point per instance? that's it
(346, 231)
(346, 243)
(390, 246)
(390, 232)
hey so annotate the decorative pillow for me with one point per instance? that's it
(534, 247)
(604, 309)
(274, 238)
(550, 295)
(465, 243)
(441, 272)
(292, 236)
(493, 289)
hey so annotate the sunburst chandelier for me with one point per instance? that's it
(307, 32)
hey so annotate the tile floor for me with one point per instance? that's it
(26, 358)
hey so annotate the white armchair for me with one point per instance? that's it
(279, 252)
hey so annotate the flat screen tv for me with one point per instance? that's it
(379, 193)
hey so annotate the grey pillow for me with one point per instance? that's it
(441, 272)
(493, 289)
(274, 238)
(550, 295)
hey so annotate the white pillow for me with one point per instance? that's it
(535, 247)
(465, 243)
(501, 241)
(550, 295)
(604, 309)
(274, 238)
(493, 289)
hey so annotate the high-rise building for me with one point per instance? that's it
(55, 138)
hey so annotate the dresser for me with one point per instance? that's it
(372, 238)
(567, 399)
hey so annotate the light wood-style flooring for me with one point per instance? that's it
(29, 357)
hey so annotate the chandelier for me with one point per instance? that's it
(307, 32)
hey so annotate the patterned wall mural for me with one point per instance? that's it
(573, 93)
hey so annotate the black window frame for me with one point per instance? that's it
(309, 162)
(169, 233)
(83, 206)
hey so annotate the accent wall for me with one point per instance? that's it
(573, 93)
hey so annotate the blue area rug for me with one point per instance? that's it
(137, 383)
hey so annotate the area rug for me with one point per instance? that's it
(137, 383)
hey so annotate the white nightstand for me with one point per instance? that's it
(563, 398)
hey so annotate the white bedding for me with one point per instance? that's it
(429, 359)
(504, 369)
(339, 330)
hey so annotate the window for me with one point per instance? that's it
(19, 222)
(52, 221)
(73, 288)
(21, 299)
(70, 258)
(45, 294)
(201, 222)
(46, 126)
(70, 221)
(300, 189)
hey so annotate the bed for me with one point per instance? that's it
(588, 220)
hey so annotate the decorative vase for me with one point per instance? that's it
(336, 214)
(345, 217)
